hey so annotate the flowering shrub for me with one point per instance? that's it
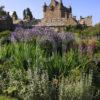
(26, 85)
(21, 34)
(45, 37)
(73, 88)
(87, 46)
(31, 67)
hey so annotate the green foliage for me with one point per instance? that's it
(76, 29)
(73, 87)
(6, 98)
(4, 37)
(20, 54)
(26, 71)
(97, 49)
(1, 8)
(27, 14)
(5, 33)
(15, 15)
(91, 31)
(84, 30)
(2, 12)
(35, 21)
(61, 66)
(25, 55)
(28, 68)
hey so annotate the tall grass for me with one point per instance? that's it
(76, 86)
(28, 73)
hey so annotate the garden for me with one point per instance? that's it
(41, 64)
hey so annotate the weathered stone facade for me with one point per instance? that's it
(57, 16)
(56, 10)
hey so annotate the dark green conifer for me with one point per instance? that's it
(27, 14)
(14, 15)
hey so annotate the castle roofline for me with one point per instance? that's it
(55, 3)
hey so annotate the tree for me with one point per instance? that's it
(1, 8)
(24, 14)
(27, 14)
(14, 15)
(2, 12)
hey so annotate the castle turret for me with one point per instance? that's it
(60, 3)
(53, 3)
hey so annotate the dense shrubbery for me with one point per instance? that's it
(39, 63)
(84, 30)
(5, 37)
(5, 34)
(27, 73)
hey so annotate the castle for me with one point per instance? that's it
(57, 16)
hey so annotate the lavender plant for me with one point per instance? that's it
(44, 35)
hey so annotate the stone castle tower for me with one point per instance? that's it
(56, 10)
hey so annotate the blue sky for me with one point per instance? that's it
(80, 7)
